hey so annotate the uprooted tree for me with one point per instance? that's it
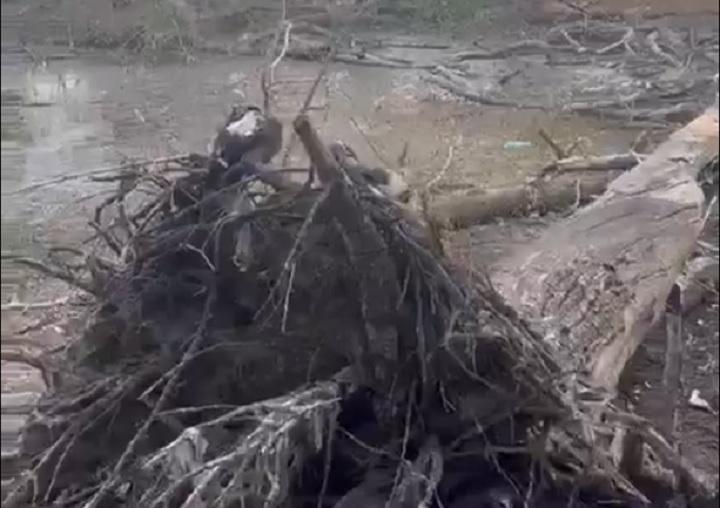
(316, 349)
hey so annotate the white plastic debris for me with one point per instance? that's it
(517, 145)
(698, 402)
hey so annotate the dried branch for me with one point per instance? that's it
(365, 136)
(26, 306)
(130, 450)
(283, 52)
(601, 163)
(19, 356)
(97, 172)
(305, 106)
(559, 152)
(672, 374)
(655, 47)
(267, 75)
(441, 174)
(624, 41)
(63, 275)
(574, 43)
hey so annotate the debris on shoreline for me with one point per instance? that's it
(262, 342)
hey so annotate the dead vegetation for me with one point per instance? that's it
(273, 343)
(314, 349)
(213, 364)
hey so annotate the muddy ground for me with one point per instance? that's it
(92, 108)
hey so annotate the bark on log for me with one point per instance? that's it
(556, 194)
(594, 283)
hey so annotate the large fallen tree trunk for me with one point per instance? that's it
(596, 282)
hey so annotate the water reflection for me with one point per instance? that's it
(51, 125)
(64, 123)
(70, 117)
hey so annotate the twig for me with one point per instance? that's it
(328, 461)
(575, 7)
(286, 306)
(265, 438)
(403, 157)
(370, 60)
(578, 195)
(189, 58)
(413, 45)
(624, 41)
(165, 395)
(466, 91)
(372, 146)
(110, 240)
(535, 45)
(655, 48)
(72, 440)
(102, 404)
(305, 107)
(574, 43)
(441, 174)
(209, 264)
(623, 161)
(100, 171)
(559, 152)
(41, 267)
(299, 238)
(25, 306)
(672, 374)
(692, 479)
(405, 441)
(281, 55)
(19, 356)
(267, 75)
(20, 338)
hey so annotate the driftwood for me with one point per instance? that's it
(535, 197)
(549, 192)
(600, 163)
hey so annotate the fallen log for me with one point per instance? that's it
(538, 196)
(634, 238)
(535, 197)
(595, 283)
(621, 161)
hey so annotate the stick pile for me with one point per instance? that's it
(284, 345)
